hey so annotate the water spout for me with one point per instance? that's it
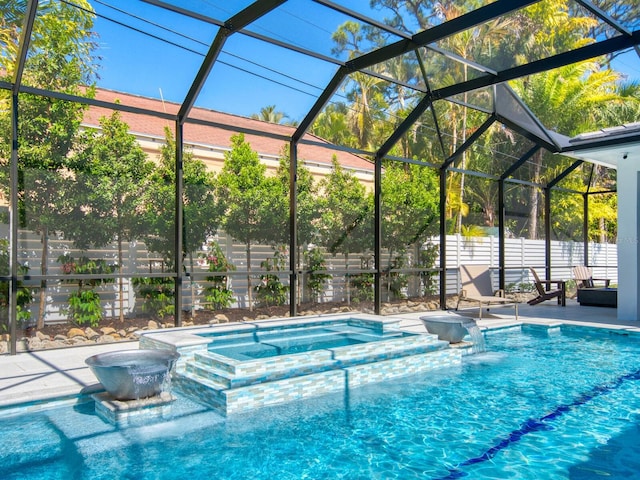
(133, 374)
(453, 329)
(477, 337)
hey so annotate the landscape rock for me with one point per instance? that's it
(52, 344)
(76, 332)
(90, 333)
(105, 339)
(41, 336)
(34, 344)
(89, 336)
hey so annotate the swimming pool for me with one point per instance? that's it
(553, 404)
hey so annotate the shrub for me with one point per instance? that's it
(24, 294)
(217, 294)
(314, 260)
(157, 294)
(361, 287)
(361, 284)
(84, 305)
(428, 255)
(396, 282)
(271, 291)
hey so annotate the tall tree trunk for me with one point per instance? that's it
(454, 145)
(534, 197)
(346, 266)
(461, 199)
(602, 225)
(301, 278)
(463, 164)
(249, 286)
(603, 230)
(44, 259)
(193, 288)
(120, 280)
(389, 274)
(489, 215)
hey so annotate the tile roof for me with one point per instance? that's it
(195, 133)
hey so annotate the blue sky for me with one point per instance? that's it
(249, 74)
(153, 66)
(629, 65)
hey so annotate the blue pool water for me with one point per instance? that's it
(538, 405)
(286, 341)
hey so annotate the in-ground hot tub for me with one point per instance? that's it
(242, 366)
(277, 342)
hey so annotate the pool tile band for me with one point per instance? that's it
(535, 425)
(291, 387)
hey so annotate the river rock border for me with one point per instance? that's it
(89, 336)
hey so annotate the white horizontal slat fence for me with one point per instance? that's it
(520, 254)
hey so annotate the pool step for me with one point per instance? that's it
(202, 389)
(206, 367)
(234, 385)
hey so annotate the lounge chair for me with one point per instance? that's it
(584, 277)
(478, 288)
(545, 292)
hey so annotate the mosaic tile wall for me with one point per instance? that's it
(231, 399)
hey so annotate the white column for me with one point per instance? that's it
(628, 246)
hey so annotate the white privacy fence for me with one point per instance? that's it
(519, 255)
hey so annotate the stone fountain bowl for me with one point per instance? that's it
(450, 329)
(133, 374)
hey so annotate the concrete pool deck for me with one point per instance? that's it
(48, 374)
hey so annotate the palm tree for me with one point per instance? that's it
(331, 125)
(363, 91)
(470, 44)
(270, 114)
(565, 100)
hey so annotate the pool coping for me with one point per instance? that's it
(47, 375)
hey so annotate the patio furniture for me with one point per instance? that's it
(598, 297)
(545, 292)
(584, 277)
(477, 287)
